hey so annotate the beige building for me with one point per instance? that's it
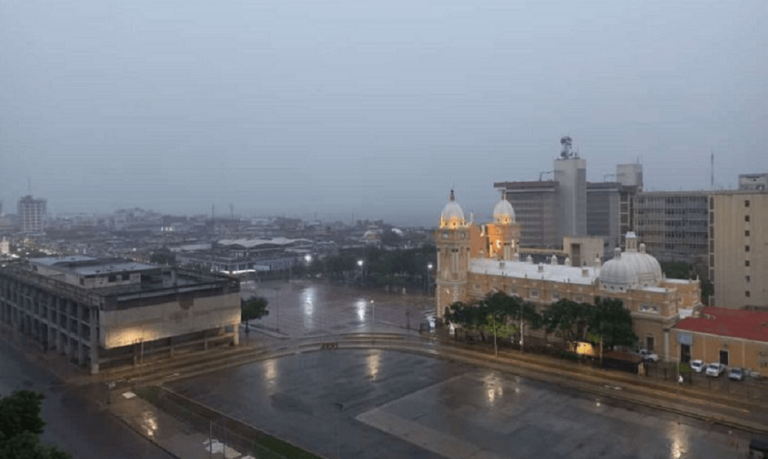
(474, 260)
(731, 337)
(738, 248)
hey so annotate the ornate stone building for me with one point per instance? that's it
(474, 260)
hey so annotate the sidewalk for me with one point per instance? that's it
(168, 433)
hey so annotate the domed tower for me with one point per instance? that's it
(504, 232)
(452, 239)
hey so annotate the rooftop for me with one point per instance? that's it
(88, 266)
(522, 269)
(735, 323)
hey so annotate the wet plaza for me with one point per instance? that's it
(382, 404)
(303, 308)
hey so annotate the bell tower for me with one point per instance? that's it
(453, 243)
(503, 233)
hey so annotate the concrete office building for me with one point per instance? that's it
(105, 312)
(603, 207)
(31, 214)
(674, 225)
(535, 205)
(571, 178)
(738, 248)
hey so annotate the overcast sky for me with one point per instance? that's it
(369, 108)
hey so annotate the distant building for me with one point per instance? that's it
(603, 207)
(753, 182)
(105, 312)
(674, 224)
(536, 210)
(31, 214)
(738, 248)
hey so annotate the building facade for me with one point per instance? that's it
(476, 260)
(731, 337)
(738, 249)
(535, 205)
(31, 214)
(106, 312)
(674, 224)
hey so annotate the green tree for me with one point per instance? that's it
(254, 307)
(611, 323)
(568, 318)
(21, 427)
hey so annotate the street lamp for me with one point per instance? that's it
(277, 296)
(360, 264)
(373, 312)
(429, 270)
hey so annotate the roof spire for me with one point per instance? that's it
(453, 198)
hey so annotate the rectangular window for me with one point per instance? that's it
(746, 218)
(747, 294)
(746, 203)
(112, 278)
(534, 293)
(746, 233)
(746, 248)
(748, 279)
(746, 263)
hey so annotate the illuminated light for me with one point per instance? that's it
(149, 423)
(373, 362)
(308, 258)
(493, 387)
(361, 306)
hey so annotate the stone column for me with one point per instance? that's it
(666, 345)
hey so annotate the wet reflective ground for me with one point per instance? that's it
(303, 308)
(386, 404)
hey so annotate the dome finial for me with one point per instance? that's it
(453, 196)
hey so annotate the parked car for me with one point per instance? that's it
(735, 373)
(648, 355)
(715, 369)
(698, 365)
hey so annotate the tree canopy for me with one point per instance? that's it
(21, 427)
(254, 307)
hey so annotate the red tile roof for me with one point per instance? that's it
(736, 323)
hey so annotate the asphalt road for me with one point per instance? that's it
(74, 421)
(374, 404)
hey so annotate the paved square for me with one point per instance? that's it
(382, 404)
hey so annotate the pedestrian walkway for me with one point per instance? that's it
(170, 434)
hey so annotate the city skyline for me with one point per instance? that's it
(375, 111)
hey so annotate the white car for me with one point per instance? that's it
(735, 373)
(647, 355)
(698, 365)
(715, 369)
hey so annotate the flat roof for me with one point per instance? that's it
(523, 270)
(735, 323)
(87, 266)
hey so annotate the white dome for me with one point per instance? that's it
(452, 215)
(503, 212)
(616, 274)
(631, 269)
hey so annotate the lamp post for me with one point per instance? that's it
(360, 264)
(277, 296)
(373, 312)
(429, 271)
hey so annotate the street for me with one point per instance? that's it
(74, 421)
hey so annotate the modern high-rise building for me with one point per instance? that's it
(738, 248)
(31, 213)
(603, 206)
